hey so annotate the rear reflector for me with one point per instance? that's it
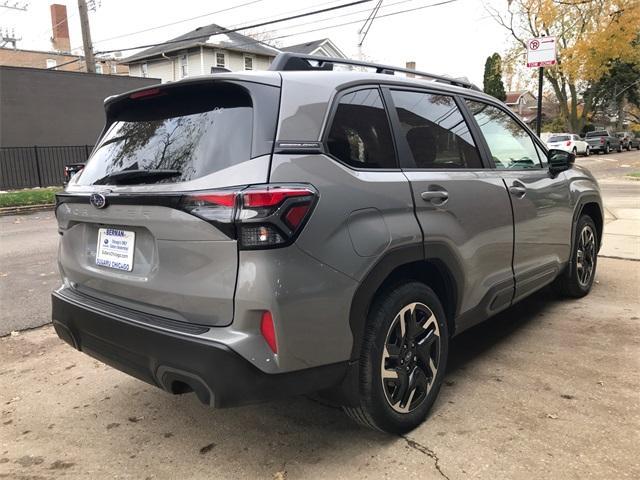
(268, 331)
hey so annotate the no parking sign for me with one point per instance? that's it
(541, 52)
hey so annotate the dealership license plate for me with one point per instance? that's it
(115, 248)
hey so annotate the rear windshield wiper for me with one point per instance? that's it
(129, 177)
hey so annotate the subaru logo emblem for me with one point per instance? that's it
(98, 200)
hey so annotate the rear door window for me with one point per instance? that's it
(186, 132)
(435, 131)
(360, 135)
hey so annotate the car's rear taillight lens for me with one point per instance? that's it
(258, 216)
(602, 140)
(568, 143)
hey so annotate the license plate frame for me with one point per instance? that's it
(115, 248)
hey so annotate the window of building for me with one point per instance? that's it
(511, 145)
(437, 135)
(221, 60)
(144, 69)
(248, 63)
(360, 135)
(184, 65)
(51, 63)
(98, 68)
(114, 68)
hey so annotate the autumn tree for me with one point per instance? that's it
(591, 35)
(493, 77)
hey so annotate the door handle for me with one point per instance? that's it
(432, 195)
(517, 190)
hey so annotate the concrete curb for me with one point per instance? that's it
(26, 209)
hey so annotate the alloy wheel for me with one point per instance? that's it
(410, 358)
(586, 255)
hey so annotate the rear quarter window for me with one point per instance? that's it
(360, 135)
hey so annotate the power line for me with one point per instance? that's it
(352, 22)
(225, 31)
(335, 17)
(178, 21)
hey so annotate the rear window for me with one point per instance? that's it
(561, 138)
(181, 133)
(596, 134)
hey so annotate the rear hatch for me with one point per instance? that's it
(146, 224)
(596, 139)
(559, 142)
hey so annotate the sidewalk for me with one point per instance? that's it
(622, 218)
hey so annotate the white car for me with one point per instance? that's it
(569, 142)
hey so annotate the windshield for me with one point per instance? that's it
(561, 138)
(175, 136)
(597, 134)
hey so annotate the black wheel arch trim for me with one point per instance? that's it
(434, 252)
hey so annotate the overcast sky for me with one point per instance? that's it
(452, 39)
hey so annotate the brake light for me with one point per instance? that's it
(268, 331)
(259, 217)
(151, 92)
(568, 143)
(601, 140)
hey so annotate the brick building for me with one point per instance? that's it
(60, 56)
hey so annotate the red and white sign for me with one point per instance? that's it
(541, 52)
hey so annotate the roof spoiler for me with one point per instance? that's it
(301, 62)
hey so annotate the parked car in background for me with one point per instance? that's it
(569, 142)
(250, 235)
(603, 142)
(70, 170)
(628, 140)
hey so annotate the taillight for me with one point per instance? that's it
(568, 143)
(259, 217)
(601, 140)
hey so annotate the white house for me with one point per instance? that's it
(323, 47)
(200, 52)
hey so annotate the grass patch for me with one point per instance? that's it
(634, 175)
(31, 196)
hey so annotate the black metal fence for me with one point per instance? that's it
(25, 167)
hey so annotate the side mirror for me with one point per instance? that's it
(559, 160)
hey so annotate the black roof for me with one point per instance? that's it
(307, 47)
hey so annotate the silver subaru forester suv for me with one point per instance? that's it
(311, 229)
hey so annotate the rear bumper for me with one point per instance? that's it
(178, 363)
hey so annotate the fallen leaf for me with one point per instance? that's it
(552, 415)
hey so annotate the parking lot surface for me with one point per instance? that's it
(547, 389)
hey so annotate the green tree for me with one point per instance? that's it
(617, 91)
(493, 77)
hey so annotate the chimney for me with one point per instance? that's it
(60, 27)
(411, 66)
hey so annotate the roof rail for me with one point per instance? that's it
(298, 61)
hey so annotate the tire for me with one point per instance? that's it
(574, 151)
(619, 148)
(384, 353)
(607, 149)
(575, 282)
(587, 151)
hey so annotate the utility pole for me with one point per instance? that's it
(86, 37)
